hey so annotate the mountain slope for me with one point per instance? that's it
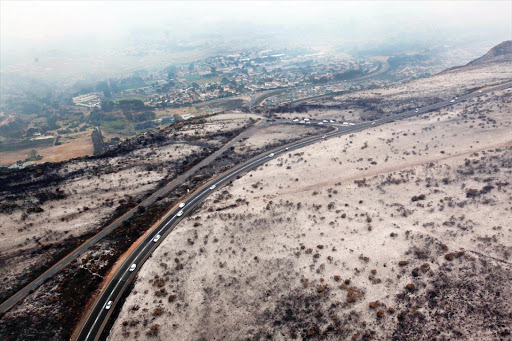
(500, 52)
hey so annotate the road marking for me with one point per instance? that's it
(239, 170)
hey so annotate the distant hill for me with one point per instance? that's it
(500, 52)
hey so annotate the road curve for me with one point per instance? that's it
(29, 288)
(98, 316)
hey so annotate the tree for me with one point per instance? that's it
(144, 116)
(52, 123)
(107, 106)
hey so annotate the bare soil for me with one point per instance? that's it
(399, 232)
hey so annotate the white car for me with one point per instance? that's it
(352, 124)
(320, 123)
(479, 90)
(212, 187)
(302, 122)
(179, 214)
(296, 120)
(345, 123)
(373, 122)
(416, 110)
(156, 238)
(286, 148)
(271, 155)
(108, 305)
(132, 267)
(182, 205)
(325, 121)
(452, 101)
(324, 136)
(307, 122)
(332, 121)
(306, 119)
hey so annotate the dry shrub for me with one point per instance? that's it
(158, 312)
(449, 257)
(153, 330)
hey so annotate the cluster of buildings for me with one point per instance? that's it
(245, 72)
(90, 100)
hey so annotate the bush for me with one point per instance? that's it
(153, 330)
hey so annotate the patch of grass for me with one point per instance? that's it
(129, 98)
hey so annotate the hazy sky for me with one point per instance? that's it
(30, 28)
(57, 19)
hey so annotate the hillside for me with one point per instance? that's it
(500, 52)
(372, 104)
(399, 232)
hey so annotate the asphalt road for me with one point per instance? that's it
(9, 303)
(98, 316)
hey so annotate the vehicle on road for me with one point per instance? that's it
(320, 123)
(325, 121)
(182, 205)
(212, 187)
(332, 121)
(324, 136)
(416, 110)
(306, 119)
(271, 155)
(286, 148)
(296, 120)
(108, 305)
(302, 121)
(352, 124)
(179, 214)
(373, 123)
(452, 101)
(479, 90)
(307, 122)
(132, 267)
(156, 238)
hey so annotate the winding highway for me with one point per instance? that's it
(84, 247)
(100, 312)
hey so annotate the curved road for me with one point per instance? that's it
(84, 247)
(98, 316)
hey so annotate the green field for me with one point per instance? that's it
(202, 80)
(7, 146)
(118, 127)
(130, 98)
